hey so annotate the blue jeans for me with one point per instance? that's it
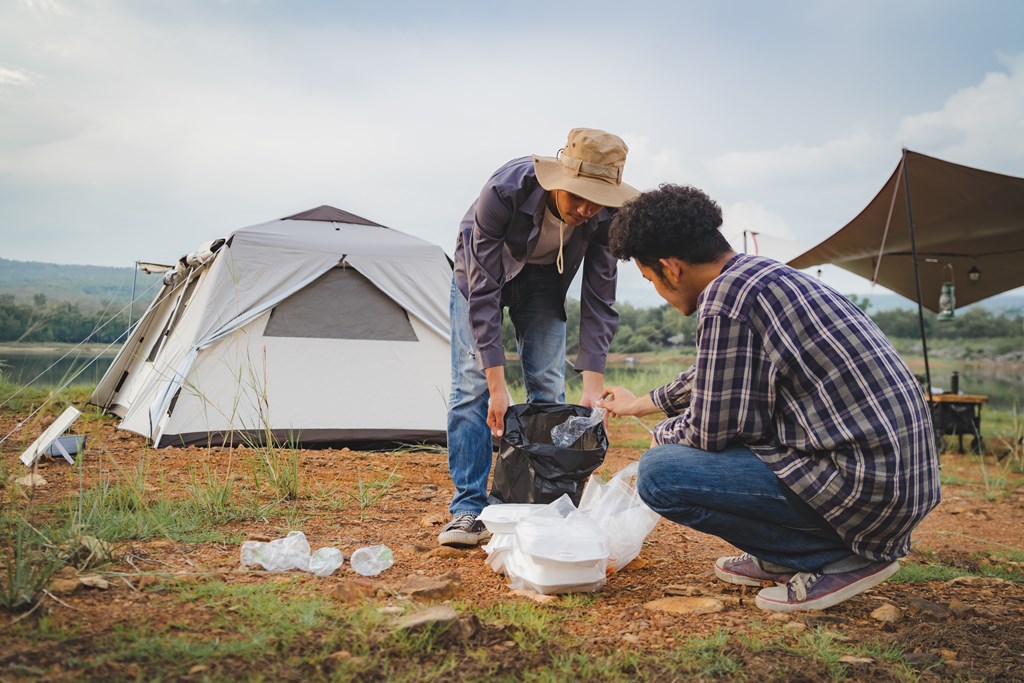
(735, 496)
(536, 307)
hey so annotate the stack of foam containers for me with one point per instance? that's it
(501, 521)
(548, 549)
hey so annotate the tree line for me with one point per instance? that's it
(640, 329)
(42, 320)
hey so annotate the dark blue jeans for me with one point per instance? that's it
(735, 496)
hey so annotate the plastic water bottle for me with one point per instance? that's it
(565, 434)
(325, 561)
(372, 560)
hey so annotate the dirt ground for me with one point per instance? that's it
(951, 630)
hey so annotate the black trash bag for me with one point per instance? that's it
(530, 469)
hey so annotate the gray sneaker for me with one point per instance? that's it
(746, 570)
(464, 529)
(817, 591)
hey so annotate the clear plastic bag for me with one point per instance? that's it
(279, 555)
(616, 506)
(567, 433)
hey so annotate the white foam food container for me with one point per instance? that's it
(549, 578)
(502, 519)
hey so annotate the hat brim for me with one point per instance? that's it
(551, 177)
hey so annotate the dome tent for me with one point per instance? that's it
(322, 328)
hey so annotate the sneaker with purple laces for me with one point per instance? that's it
(807, 591)
(746, 570)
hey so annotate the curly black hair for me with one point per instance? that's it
(673, 221)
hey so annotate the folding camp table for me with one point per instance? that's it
(958, 414)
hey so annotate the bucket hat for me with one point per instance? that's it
(589, 166)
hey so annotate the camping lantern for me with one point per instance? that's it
(947, 302)
(974, 274)
(947, 298)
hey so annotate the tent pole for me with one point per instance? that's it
(917, 275)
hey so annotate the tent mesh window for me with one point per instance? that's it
(340, 304)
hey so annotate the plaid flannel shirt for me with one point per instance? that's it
(802, 377)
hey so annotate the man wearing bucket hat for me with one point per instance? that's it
(799, 435)
(537, 221)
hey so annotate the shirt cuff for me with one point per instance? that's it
(661, 399)
(591, 362)
(492, 357)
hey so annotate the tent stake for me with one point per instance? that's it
(917, 276)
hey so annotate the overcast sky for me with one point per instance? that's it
(137, 129)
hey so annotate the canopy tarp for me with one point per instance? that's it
(963, 218)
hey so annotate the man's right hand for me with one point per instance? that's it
(498, 403)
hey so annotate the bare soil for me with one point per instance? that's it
(976, 632)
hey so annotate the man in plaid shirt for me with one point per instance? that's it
(799, 435)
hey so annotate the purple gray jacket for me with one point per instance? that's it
(497, 237)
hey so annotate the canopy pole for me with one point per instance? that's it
(917, 274)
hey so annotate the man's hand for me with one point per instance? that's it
(498, 403)
(619, 401)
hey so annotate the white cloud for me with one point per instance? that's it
(14, 77)
(46, 6)
(981, 125)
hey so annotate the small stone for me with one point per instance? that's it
(424, 496)
(447, 552)
(426, 588)
(794, 627)
(887, 614)
(64, 586)
(31, 481)
(780, 617)
(94, 582)
(927, 610)
(631, 638)
(353, 590)
(947, 655)
(683, 605)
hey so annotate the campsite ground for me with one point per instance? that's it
(173, 603)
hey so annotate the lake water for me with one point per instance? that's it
(54, 369)
(1003, 385)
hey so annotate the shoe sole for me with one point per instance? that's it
(739, 579)
(462, 538)
(775, 599)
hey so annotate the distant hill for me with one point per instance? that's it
(1001, 303)
(96, 286)
(88, 286)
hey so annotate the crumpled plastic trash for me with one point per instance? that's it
(325, 561)
(371, 560)
(565, 434)
(290, 552)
